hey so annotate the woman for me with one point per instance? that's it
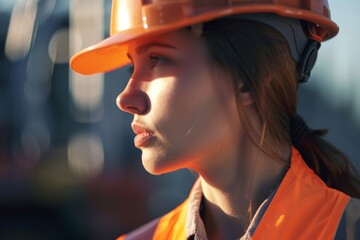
(213, 90)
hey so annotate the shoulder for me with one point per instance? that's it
(353, 208)
(147, 231)
(144, 232)
(352, 212)
(349, 226)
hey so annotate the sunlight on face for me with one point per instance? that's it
(184, 110)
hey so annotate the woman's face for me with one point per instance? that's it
(185, 111)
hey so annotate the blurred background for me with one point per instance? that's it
(68, 168)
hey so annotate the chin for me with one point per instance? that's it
(154, 169)
(157, 165)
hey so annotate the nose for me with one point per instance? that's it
(133, 100)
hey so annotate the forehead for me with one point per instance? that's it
(181, 39)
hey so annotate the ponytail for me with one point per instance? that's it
(329, 163)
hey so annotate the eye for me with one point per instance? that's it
(156, 60)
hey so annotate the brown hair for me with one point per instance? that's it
(250, 51)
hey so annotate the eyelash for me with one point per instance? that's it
(155, 61)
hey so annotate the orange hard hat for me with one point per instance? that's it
(135, 19)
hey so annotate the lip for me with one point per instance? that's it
(143, 135)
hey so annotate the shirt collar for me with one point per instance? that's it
(195, 228)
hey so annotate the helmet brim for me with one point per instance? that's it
(111, 53)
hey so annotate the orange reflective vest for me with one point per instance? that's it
(302, 208)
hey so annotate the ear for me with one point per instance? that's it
(245, 96)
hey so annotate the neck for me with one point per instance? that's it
(235, 189)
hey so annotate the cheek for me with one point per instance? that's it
(193, 109)
(173, 103)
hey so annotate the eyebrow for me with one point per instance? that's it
(143, 48)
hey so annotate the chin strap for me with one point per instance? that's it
(307, 60)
